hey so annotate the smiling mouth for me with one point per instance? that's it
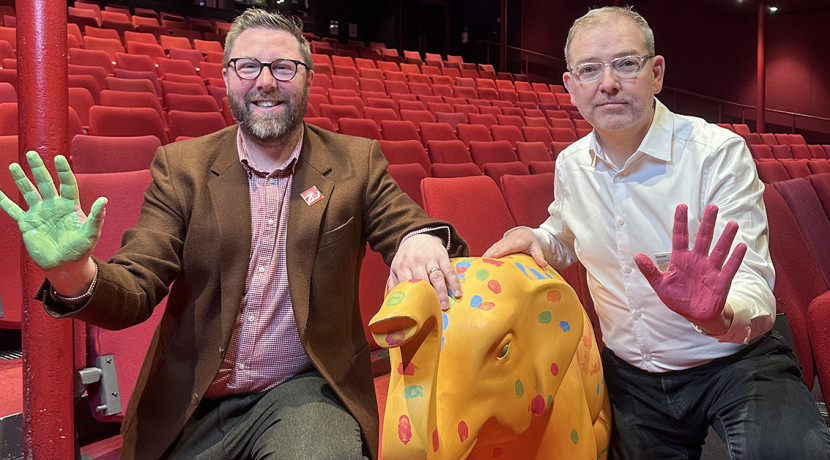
(266, 104)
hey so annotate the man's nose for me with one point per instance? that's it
(266, 79)
(609, 83)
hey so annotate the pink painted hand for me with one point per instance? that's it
(696, 283)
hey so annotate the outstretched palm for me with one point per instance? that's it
(696, 283)
(55, 229)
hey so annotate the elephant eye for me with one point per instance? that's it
(504, 351)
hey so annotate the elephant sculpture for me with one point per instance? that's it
(511, 370)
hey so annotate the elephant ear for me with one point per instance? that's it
(405, 310)
(554, 317)
(406, 325)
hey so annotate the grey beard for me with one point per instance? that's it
(269, 128)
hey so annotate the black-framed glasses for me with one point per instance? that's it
(281, 69)
(624, 67)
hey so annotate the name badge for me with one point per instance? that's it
(661, 259)
(312, 195)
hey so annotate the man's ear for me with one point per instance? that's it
(658, 71)
(567, 81)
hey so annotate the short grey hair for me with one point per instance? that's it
(258, 18)
(600, 15)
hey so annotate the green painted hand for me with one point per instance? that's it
(55, 229)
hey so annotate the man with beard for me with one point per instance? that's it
(691, 346)
(262, 226)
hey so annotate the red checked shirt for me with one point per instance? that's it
(265, 348)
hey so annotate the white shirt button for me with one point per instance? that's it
(261, 269)
(270, 221)
(242, 366)
(627, 269)
(272, 181)
(647, 357)
(620, 221)
(251, 318)
(638, 314)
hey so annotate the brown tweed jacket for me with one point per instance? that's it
(195, 229)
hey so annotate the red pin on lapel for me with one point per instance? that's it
(312, 195)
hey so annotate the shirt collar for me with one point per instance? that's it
(286, 168)
(654, 144)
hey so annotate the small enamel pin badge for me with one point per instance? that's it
(312, 195)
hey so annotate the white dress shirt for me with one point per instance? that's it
(604, 216)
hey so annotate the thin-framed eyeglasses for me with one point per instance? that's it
(623, 67)
(281, 69)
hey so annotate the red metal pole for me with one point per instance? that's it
(761, 67)
(48, 417)
(503, 38)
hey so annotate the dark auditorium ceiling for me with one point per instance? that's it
(784, 6)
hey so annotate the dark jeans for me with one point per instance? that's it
(300, 418)
(755, 400)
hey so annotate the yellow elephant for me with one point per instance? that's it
(510, 371)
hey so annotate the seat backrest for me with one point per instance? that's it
(805, 205)
(449, 151)
(466, 203)
(126, 121)
(404, 152)
(11, 283)
(497, 170)
(796, 168)
(398, 130)
(125, 193)
(821, 184)
(798, 279)
(528, 197)
(532, 151)
(194, 124)
(362, 127)
(491, 152)
(108, 154)
(771, 171)
(468, 133)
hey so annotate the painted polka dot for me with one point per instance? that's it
(463, 431)
(545, 317)
(413, 391)
(395, 338)
(554, 369)
(520, 388)
(495, 262)
(486, 306)
(482, 275)
(475, 301)
(550, 400)
(575, 436)
(395, 298)
(445, 320)
(435, 440)
(498, 452)
(554, 296)
(598, 388)
(565, 326)
(537, 405)
(404, 429)
(409, 370)
(494, 286)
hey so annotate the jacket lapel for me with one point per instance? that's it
(304, 223)
(231, 201)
